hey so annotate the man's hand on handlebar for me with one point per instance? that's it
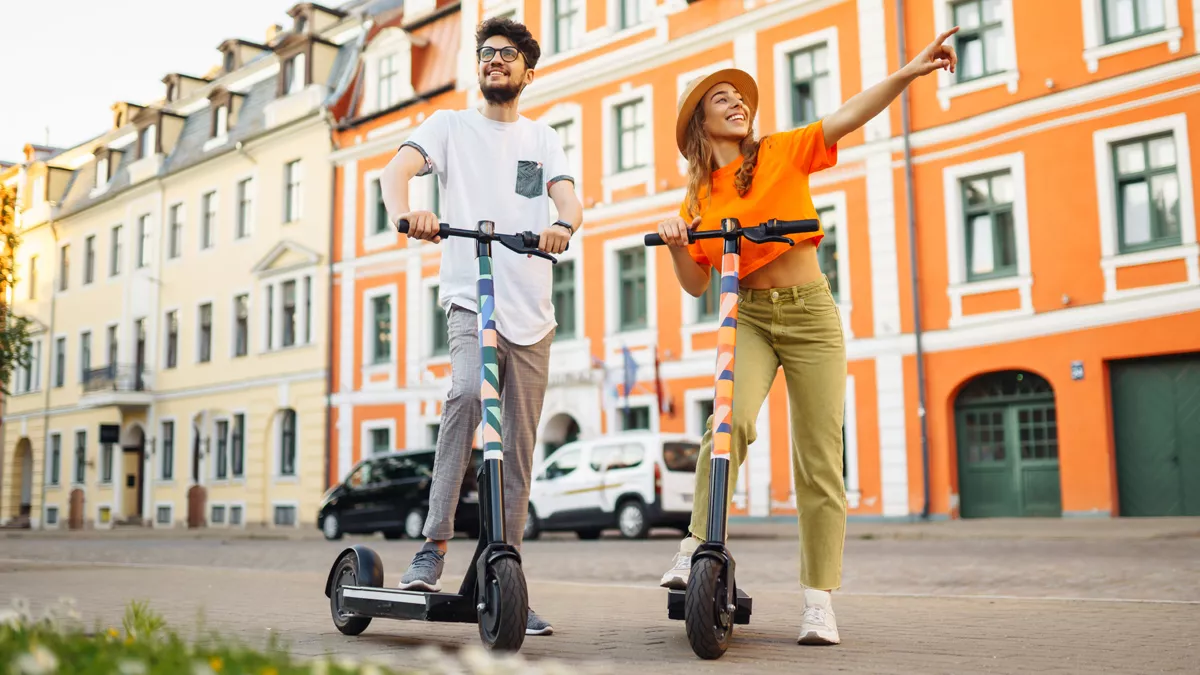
(422, 225)
(674, 230)
(554, 240)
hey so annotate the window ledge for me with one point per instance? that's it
(216, 142)
(1154, 255)
(1016, 282)
(643, 175)
(1006, 78)
(1171, 36)
(1190, 253)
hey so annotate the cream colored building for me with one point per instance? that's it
(177, 268)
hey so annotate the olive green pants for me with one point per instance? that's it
(800, 329)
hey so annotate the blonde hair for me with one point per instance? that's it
(701, 163)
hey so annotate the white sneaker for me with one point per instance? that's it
(681, 566)
(818, 626)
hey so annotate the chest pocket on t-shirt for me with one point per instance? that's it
(529, 178)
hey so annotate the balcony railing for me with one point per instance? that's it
(115, 377)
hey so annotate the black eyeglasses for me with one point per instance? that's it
(509, 54)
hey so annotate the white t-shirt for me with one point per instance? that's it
(497, 171)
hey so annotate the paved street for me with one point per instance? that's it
(1061, 596)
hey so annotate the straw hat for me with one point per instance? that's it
(697, 88)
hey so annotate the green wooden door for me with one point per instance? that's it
(1008, 447)
(1156, 425)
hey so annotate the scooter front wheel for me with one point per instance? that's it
(708, 621)
(505, 611)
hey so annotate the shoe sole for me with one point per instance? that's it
(543, 631)
(675, 584)
(814, 638)
(421, 586)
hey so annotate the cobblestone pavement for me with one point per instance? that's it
(1001, 603)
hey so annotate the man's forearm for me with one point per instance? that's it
(393, 188)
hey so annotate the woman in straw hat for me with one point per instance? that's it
(786, 314)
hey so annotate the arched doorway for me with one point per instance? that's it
(560, 430)
(1008, 446)
(133, 462)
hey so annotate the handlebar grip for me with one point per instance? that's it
(402, 228)
(794, 226)
(653, 239)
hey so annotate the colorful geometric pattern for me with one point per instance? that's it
(726, 337)
(489, 392)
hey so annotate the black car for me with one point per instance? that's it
(389, 493)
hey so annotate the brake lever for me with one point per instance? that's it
(759, 235)
(517, 244)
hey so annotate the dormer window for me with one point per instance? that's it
(170, 92)
(301, 23)
(148, 141)
(229, 62)
(293, 74)
(388, 76)
(221, 125)
(102, 172)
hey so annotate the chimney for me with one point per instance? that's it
(273, 32)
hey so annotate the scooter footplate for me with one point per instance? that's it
(393, 603)
(677, 599)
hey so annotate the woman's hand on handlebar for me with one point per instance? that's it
(423, 225)
(674, 230)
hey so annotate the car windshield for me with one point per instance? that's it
(681, 455)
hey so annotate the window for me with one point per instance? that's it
(990, 235)
(440, 323)
(381, 215)
(112, 347)
(388, 74)
(635, 417)
(205, 338)
(564, 24)
(827, 254)
(167, 463)
(80, 457)
(52, 515)
(101, 172)
(291, 191)
(285, 516)
(177, 231)
(149, 142)
(85, 354)
(1148, 193)
(631, 127)
(307, 310)
(33, 277)
(229, 63)
(631, 13)
(381, 441)
(237, 446)
(218, 515)
(294, 74)
(241, 323)
(64, 266)
(106, 463)
(208, 219)
(563, 296)
(709, 304)
(162, 515)
(270, 317)
(89, 259)
(706, 411)
(1124, 19)
(172, 338)
(287, 443)
(631, 265)
(564, 463)
(235, 515)
(143, 251)
(289, 313)
(245, 202)
(60, 361)
(28, 377)
(812, 96)
(221, 122)
(980, 41)
(53, 473)
(114, 257)
(381, 311)
(222, 463)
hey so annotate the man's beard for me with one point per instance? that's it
(497, 94)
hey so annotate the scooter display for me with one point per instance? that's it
(493, 593)
(713, 603)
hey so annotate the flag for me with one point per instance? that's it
(663, 404)
(630, 375)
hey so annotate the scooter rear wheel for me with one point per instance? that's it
(347, 575)
(506, 599)
(708, 622)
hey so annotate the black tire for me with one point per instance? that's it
(347, 575)
(331, 526)
(411, 519)
(589, 535)
(533, 526)
(631, 519)
(502, 623)
(709, 626)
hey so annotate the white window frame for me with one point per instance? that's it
(222, 121)
(159, 480)
(46, 460)
(299, 72)
(58, 269)
(373, 241)
(101, 173)
(1188, 250)
(108, 345)
(273, 286)
(76, 479)
(370, 425)
(34, 369)
(252, 177)
(230, 506)
(277, 450)
(392, 365)
(1095, 50)
(617, 411)
(286, 503)
(170, 506)
(611, 180)
(166, 334)
(956, 263)
(212, 333)
(948, 85)
(249, 293)
(145, 242)
(54, 370)
(46, 517)
(298, 196)
(116, 250)
(646, 10)
(573, 113)
(614, 337)
(91, 354)
(208, 519)
(169, 229)
(216, 203)
(391, 42)
(492, 8)
(579, 30)
(692, 398)
(212, 468)
(426, 305)
(233, 413)
(783, 79)
(837, 201)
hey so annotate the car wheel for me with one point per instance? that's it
(414, 522)
(631, 520)
(331, 527)
(533, 527)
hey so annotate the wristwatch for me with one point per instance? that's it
(561, 223)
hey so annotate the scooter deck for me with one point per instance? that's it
(677, 599)
(393, 603)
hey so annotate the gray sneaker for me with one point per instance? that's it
(425, 572)
(535, 625)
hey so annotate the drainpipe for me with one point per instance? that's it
(49, 360)
(914, 281)
(329, 355)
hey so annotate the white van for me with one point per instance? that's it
(632, 481)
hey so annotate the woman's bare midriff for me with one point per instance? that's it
(796, 267)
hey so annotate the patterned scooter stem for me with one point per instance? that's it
(489, 387)
(723, 395)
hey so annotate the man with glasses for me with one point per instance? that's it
(491, 164)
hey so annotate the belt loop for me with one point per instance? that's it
(795, 296)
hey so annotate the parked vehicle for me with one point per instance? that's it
(389, 493)
(631, 481)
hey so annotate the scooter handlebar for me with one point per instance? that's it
(522, 242)
(772, 230)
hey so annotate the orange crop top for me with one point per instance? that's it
(779, 190)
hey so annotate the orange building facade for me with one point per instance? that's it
(1052, 190)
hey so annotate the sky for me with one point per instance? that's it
(67, 61)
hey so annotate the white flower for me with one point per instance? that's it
(201, 668)
(37, 661)
(10, 617)
(128, 667)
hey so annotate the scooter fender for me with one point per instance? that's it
(718, 551)
(369, 566)
(488, 556)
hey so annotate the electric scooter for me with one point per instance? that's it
(713, 603)
(493, 592)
